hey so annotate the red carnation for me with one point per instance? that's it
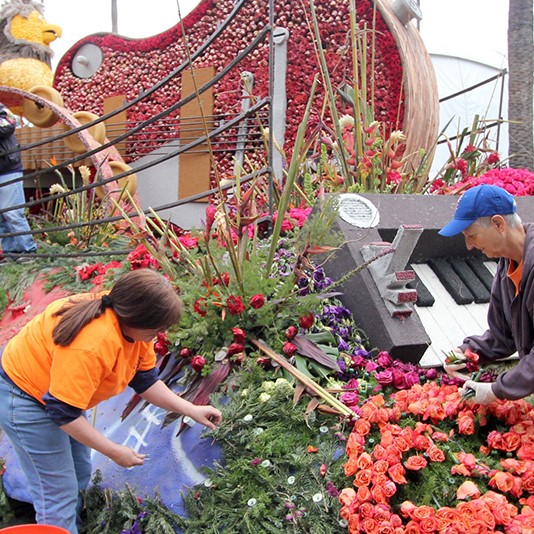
(235, 305)
(289, 349)
(264, 361)
(257, 301)
(225, 279)
(198, 362)
(493, 158)
(161, 346)
(210, 217)
(306, 321)
(200, 306)
(239, 335)
(185, 353)
(235, 348)
(291, 332)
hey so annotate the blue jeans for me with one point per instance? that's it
(14, 220)
(57, 466)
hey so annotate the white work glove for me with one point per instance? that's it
(483, 391)
(452, 369)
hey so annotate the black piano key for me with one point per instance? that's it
(483, 273)
(451, 281)
(471, 280)
(424, 297)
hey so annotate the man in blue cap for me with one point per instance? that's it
(486, 215)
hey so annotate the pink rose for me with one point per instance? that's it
(349, 399)
(384, 359)
(384, 378)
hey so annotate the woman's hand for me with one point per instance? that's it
(125, 456)
(205, 415)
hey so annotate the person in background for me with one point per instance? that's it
(12, 194)
(487, 217)
(80, 351)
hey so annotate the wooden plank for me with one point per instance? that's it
(195, 167)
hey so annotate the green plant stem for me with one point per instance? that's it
(308, 382)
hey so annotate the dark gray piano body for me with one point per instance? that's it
(405, 338)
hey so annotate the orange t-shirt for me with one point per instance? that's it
(97, 365)
(515, 272)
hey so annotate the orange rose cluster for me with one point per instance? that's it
(487, 499)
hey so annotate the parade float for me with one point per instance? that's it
(322, 432)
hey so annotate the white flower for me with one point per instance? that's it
(346, 120)
(208, 483)
(268, 385)
(266, 463)
(252, 502)
(264, 397)
(85, 173)
(56, 189)
(343, 523)
(291, 480)
(244, 393)
(323, 429)
(318, 497)
(283, 385)
(281, 382)
(396, 137)
(248, 418)
(258, 431)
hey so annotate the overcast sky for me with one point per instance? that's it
(472, 29)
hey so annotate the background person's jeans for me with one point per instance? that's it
(57, 466)
(14, 220)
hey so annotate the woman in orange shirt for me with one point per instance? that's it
(78, 352)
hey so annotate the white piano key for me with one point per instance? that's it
(446, 322)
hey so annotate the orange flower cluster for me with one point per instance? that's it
(379, 468)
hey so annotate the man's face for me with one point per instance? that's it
(488, 239)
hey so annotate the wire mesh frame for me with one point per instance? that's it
(268, 170)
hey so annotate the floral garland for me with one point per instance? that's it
(392, 444)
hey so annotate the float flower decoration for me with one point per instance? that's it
(417, 464)
(132, 66)
(518, 182)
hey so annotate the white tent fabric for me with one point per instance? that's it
(465, 79)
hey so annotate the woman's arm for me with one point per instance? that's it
(81, 430)
(160, 395)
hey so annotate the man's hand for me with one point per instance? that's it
(453, 368)
(483, 391)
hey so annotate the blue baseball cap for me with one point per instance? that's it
(481, 201)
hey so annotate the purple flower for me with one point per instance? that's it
(331, 489)
(362, 353)
(343, 345)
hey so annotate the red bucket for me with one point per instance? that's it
(34, 529)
